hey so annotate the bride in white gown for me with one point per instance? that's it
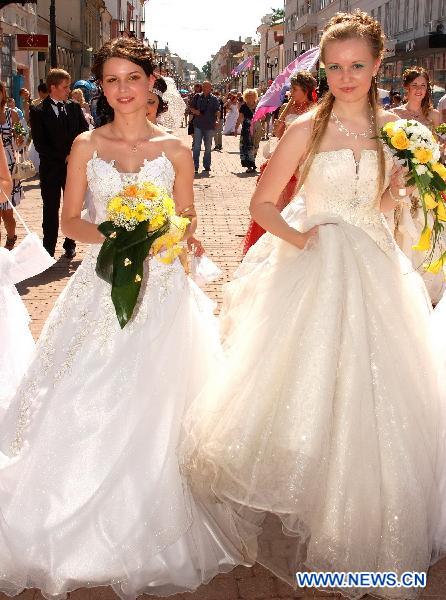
(325, 425)
(90, 488)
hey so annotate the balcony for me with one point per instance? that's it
(306, 22)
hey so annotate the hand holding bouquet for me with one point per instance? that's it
(140, 218)
(415, 148)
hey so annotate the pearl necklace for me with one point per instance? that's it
(343, 129)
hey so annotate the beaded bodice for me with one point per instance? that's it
(104, 181)
(339, 185)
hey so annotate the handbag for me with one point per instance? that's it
(23, 168)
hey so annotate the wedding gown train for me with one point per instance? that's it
(325, 426)
(90, 488)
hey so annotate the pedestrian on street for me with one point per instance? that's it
(11, 142)
(26, 99)
(249, 140)
(196, 91)
(55, 123)
(218, 139)
(206, 109)
(42, 92)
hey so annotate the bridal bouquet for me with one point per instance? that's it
(414, 147)
(140, 219)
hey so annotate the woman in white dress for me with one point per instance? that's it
(90, 488)
(232, 113)
(324, 427)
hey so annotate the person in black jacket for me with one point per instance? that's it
(55, 123)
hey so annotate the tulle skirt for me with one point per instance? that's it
(325, 427)
(90, 488)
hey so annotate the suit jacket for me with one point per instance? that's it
(51, 139)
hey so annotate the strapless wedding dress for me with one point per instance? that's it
(325, 425)
(90, 488)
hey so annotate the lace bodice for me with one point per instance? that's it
(339, 185)
(104, 181)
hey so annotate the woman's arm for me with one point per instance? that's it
(73, 226)
(239, 122)
(5, 175)
(183, 190)
(281, 166)
(436, 117)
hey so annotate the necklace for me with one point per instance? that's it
(343, 129)
(135, 145)
(300, 108)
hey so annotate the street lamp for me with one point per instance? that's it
(270, 67)
(121, 26)
(303, 47)
(295, 49)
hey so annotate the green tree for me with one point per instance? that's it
(278, 15)
(207, 69)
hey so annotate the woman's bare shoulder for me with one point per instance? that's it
(386, 116)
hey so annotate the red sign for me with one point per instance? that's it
(32, 42)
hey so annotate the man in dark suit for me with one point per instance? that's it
(55, 123)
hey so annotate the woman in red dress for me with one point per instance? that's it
(302, 98)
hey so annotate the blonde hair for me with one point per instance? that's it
(250, 92)
(80, 93)
(347, 26)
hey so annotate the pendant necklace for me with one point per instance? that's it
(343, 129)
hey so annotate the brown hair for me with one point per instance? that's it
(128, 48)
(306, 81)
(409, 76)
(347, 26)
(55, 77)
(3, 93)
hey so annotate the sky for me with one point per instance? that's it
(196, 29)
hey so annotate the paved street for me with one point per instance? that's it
(222, 201)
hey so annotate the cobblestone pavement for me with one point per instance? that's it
(222, 200)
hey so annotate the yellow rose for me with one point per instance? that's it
(423, 155)
(441, 212)
(400, 140)
(389, 128)
(436, 266)
(425, 241)
(440, 169)
(429, 201)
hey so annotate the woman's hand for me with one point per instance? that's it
(307, 239)
(398, 178)
(195, 246)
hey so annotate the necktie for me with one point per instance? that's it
(62, 114)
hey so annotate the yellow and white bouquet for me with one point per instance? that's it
(415, 148)
(140, 219)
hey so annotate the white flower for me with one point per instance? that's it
(421, 169)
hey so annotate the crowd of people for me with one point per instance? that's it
(307, 429)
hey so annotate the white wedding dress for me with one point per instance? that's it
(325, 425)
(90, 488)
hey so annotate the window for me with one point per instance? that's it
(415, 15)
(387, 19)
(406, 15)
(379, 15)
(428, 11)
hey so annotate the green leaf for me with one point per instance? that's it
(438, 182)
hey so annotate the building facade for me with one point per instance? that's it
(17, 67)
(271, 55)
